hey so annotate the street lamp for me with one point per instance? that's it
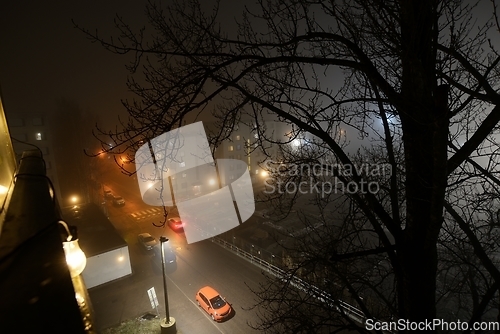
(167, 326)
(74, 199)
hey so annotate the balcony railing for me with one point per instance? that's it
(37, 293)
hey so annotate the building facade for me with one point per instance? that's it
(32, 130)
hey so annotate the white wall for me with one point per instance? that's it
(107, 267)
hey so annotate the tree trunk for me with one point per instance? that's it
(424, 119)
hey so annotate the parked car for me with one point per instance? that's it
(118, 201)
(75, 212)
(170, 256)
(212, 302)
(108, 194)
(176, 224)
(147, 241)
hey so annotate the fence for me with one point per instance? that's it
(351, 311)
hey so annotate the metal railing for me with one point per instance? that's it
(351, 311)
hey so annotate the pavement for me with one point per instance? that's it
(113, 308)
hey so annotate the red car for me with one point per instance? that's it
(215, 305)
(175, 223)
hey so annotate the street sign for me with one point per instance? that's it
(152, 298)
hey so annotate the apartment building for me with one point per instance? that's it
(32, 130)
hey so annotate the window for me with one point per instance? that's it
(37, 121)
(237, 137)
(231, 148)
(205, 300)
(238, 147)
(15, 122)
(38, 136)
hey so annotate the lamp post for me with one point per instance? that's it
(167, 326)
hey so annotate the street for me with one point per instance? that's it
(198, 264)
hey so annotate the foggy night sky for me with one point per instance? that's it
(43, 58)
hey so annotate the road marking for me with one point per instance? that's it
(195, 304)
(138, 215)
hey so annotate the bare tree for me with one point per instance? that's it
(418, 78)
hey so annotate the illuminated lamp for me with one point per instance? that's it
(75, 257)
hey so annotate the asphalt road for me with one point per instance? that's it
(198, 264)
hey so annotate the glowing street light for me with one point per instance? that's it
(296, 142)
(74, 199)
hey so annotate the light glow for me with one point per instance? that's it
(75, 257)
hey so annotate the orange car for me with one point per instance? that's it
(210, 300)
